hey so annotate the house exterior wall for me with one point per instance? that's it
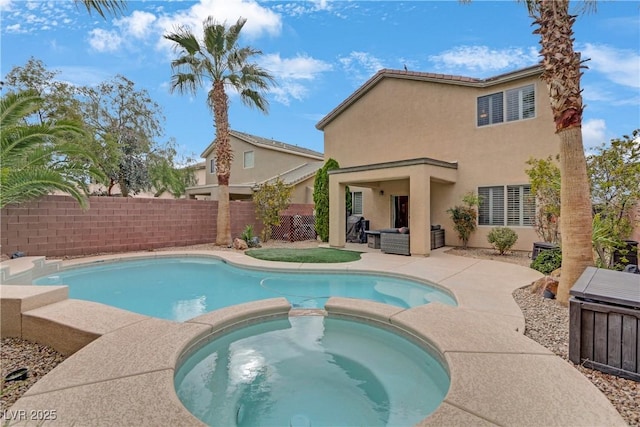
(399, 119)
(267, 163)
(303, 191)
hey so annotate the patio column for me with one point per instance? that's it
(337, 212)
(420, 211)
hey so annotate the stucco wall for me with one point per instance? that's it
(56, 226)
(267, 163)
(401, 119)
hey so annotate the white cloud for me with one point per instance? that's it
(482, 59)
(593, 133)
(138, 24)
(621, 66)
(104, 41)
(5, 5)
(288, 72)
(15, 28)
(360, 66)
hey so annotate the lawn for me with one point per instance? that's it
(311, 255)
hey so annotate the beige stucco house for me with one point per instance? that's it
(258, 160)
(410, 145)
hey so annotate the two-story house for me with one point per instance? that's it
(258, 160)
(411, 145)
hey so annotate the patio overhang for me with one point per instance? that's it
(419, 172)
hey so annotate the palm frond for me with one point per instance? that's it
(103, 7)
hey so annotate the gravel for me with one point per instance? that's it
(547, 323)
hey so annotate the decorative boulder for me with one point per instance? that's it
(239, 244)
(545, 283)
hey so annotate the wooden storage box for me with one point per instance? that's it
(437, 239)
(604, 322)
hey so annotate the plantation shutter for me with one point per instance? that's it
(491, 209)
(356, 203)
(520, 205)
(520, 103)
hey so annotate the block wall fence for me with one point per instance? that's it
(55, 226)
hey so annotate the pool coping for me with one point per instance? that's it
(498, 376)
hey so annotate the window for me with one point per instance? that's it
(212, 166)
(518, 209)
(516, 104)
(520, 103)
(520, 205)
(490, 109)
(491, 210)
(248, 159)
(356, 203)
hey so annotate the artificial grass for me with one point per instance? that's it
(312, 255)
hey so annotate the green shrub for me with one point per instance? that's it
(547, 261)
(464, 217)
(502, 238)
(247, 236)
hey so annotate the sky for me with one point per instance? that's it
(320, 52)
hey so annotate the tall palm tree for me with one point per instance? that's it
(562, 72)
(218, 63)
(38, 159)
(102, 7)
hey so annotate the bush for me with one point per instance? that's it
(502, 238)
(547, 261)
(464, 217)
(247, 236)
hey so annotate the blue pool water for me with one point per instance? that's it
(182, 288)
(311, 371)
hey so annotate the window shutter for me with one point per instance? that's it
(356, 203)
(520, 103)
(491, 209)
(513, 205)
(521, 206)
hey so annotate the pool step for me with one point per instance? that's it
(18, 299)
(69, 325)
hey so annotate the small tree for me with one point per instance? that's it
(321, 198)
(270, 199)
(464, 217)
(502, 238)
(615, 176)
(544, 177)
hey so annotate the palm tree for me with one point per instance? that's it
(38, 159)
(219, 63)
(562, 72)
(114, 7)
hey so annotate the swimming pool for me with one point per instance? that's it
(180, 288)
(311, 371)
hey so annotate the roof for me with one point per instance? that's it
(425, 77)
(299, 173)
(270, 144)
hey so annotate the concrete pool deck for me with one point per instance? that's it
(124, 376)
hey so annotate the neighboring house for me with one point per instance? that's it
(410, 145)
(257, 160)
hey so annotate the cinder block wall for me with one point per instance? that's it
(56, 226)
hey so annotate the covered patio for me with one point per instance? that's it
(415, 174)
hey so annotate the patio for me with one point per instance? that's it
(498, 376)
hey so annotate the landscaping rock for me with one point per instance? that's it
(240, 244)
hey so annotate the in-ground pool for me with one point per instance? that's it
(311, 371)
(186, 287)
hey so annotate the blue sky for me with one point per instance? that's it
(321, 51)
